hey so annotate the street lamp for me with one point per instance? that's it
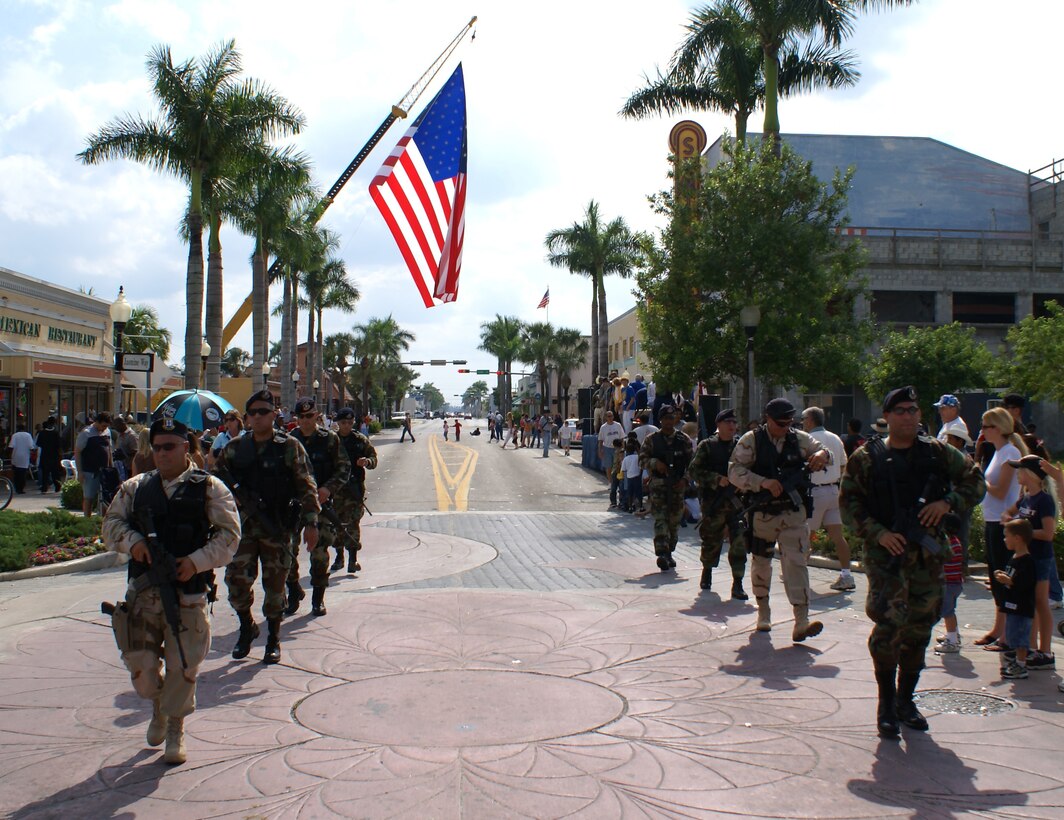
(750, 317)
(120, 311)
(342, 365)
(204, 352)
(265, 374)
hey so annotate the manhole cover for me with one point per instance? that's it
(955, 702)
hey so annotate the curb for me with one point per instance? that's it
(103, 560)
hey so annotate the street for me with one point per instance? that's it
(510, 650)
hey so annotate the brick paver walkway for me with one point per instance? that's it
(522, 665)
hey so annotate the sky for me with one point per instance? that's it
(543, 83)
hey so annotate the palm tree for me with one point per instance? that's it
(594, 250)
(326, 287)
(235, 362)
(720, 67)
(570, 353)
(502, 338)
(208, 117)
(144, 334)
(539, 348)
(337, 354)
(379, 341)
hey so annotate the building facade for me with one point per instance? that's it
(625, 342)
(56, 356)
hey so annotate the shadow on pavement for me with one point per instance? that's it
(95, 797)
(657, 580)
(930, 780)
(778, 668)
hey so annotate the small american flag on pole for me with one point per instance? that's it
(421, 192)
(544, 301)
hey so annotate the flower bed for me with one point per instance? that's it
(68, 551)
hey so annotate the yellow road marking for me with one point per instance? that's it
(452, 489)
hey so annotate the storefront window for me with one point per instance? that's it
(6, 414)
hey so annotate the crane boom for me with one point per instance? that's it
(399, 110)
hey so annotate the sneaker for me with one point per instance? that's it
(1014, 672)
(1055, 604)
(1041, 660)
(844, 584)
(948, 648)
(944, 637)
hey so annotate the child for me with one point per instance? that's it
(633, 476)
(1018, 579)
(616, 473)
(565, 432)
(1038, 505)
(950, 643)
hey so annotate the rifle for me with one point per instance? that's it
(328, 512)
(792, 487)
(161, 573)
(252, 502)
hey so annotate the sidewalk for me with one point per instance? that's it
(491, 665)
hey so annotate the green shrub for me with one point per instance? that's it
(70, 495)
(977, 537)
(393, 424)
(374, 427)
(21, 534)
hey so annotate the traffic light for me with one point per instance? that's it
(463, 370)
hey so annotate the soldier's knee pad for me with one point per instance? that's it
(762, 547)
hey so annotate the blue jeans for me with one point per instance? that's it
(635, 490)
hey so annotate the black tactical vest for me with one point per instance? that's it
(917, 473)
(768, 463)
(265, 473)
(719, 456)
(180, 522)
(672, 453)
(321, 460)
(355, 445)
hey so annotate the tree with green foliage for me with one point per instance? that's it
(379, 343)
(1034, 365)
(934, 360)
(144, 334)
(760, 230)
(720, 67)
(208, 118)
(475, 395)
(502, 338)
(431, 396)
(235, 362)
(539, 348)
(596, 250)
(570, 353)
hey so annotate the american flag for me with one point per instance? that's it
(544, 301)
(421, 192)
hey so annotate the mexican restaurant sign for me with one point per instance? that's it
(21, 327)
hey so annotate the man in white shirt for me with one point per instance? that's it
(608, 433)
(949, 410)
(826, 494)
(644, 428)
(21, 445)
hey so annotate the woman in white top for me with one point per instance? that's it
(1002, 492)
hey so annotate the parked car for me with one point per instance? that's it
(468, 416)
(577, 433)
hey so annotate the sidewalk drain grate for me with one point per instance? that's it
(956, 702)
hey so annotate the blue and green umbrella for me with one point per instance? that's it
(196, 409)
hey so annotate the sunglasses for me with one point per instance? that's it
(166, 448)
(308, 415)
(912, 410)
(260, 411)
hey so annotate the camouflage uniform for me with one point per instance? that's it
(666, 491)
(350, 499)
(780, 523)
(904, 592)
(260, 542)
(719, 516)
(332, 469)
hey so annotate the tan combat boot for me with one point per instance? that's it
(764, 615)
(175, 741)
(803, 627)
(157, 724)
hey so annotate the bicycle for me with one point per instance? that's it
(7, 489)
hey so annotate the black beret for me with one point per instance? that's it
(1014, 400)
(666, 410)
(305, 404)
(167, 427)
(263, 395)
(726, 415)
(897, 396)
(779, 409)
(345, 414)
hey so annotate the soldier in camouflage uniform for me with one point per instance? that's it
(665, 455)
(350, 500)
(332, 469)
(720, 517)
(270, 475)
(896, 495)
(764, 461)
